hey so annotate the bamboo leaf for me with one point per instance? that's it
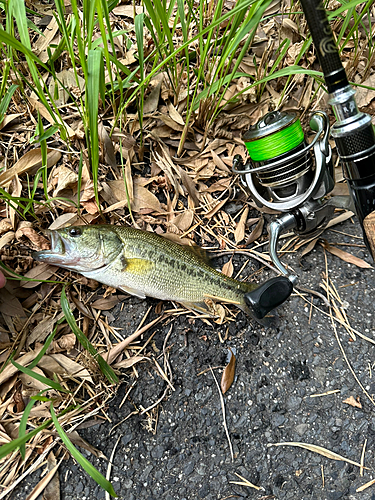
(84, 463)
(40, 378)
(105, 368)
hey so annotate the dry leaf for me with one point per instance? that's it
(41, 271)
(219, 162)
(63, 220)
(345, 256)
(174, 114)
(353, 402)
(30, 161)
(6, 239)
(107, 146)
(24, 360)
(65, 178)
(239, 233)
(256, 232)
(228, 268)
(309, 247)
(127, 363)
(127, 10)
(52, 490)
(366, 95)
(228, 374)
(152, 100)
(317, 449)
(105, 304)
(42, 329)
(70, 367)
(341, 218)
(10, 305)
(245, 482)
(29, 382)
(38, 242)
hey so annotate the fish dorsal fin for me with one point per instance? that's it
(190, 246)
(200, 253)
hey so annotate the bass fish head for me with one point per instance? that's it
(81, 248)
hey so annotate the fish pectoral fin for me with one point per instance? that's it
(201, 307)
(132, 291)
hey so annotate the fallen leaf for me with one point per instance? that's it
(228, 268)
(256, 232)
(65, 178)
(30, 161)
(309, 247)
(366, 95)
(317, 449)
(107, 147)
(38, 242)
(24, 360)
(105, 304)
(127, 363)
(228, 374)
(239, 233)
(52, 490)
(353, 402)
(345, 256)
(174, 114)
(41, 271)
(29, 382)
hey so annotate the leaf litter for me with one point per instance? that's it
(184, 197)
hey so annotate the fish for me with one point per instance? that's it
(143, 264)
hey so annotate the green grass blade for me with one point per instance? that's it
(94, 67)
(83, 462)
(23, 421)
(4, 104)
(8, 448)
(40, 378)
(104, 366)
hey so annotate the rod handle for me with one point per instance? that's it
(269, 295)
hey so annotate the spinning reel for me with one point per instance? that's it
(287, 174)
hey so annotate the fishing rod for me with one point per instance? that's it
(287, 174)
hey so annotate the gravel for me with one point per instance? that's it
(277, 372)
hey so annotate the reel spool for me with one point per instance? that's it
(284, 171)
(289, 175)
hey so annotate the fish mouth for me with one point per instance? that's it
(60, 252)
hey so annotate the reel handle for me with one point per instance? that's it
(269, 295)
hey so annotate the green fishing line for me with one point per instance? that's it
(276, 144)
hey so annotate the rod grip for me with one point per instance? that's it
(324, 41)
(369, 229)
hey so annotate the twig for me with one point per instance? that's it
(223, 411)
(363, 457)
(109, 468)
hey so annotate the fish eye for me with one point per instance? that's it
(75, 231)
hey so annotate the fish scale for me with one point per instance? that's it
(143, 264)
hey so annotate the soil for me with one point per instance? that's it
(290, 386)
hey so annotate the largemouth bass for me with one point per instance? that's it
(143, 264)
